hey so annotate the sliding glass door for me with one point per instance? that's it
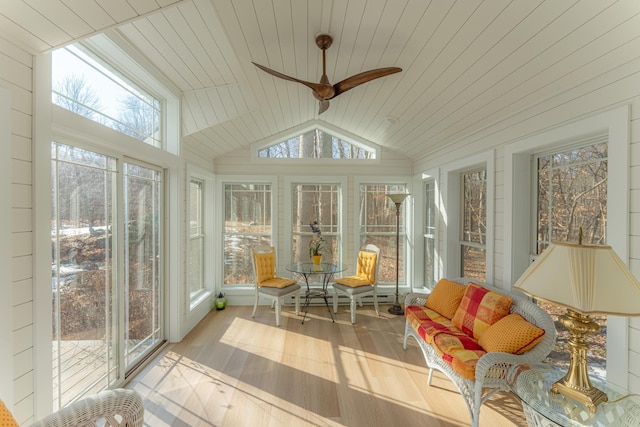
(142, 214)
(106, 269)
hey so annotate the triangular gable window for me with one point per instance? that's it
(316, 144)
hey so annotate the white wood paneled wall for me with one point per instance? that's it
(619, 86)
(16, 77)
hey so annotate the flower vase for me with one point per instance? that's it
(317, 259)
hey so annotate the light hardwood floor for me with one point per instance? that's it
(232, 370)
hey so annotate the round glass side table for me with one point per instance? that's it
(542, 408)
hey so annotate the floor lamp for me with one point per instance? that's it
(398, 198)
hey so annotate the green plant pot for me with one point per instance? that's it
(220, 303)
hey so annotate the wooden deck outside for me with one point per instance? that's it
(83, 367)
(232, 370)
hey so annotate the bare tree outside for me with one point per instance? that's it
(474, 224)
(87, 86)
(137, 118)
(315, 144)
(572, 196)
(76, 95)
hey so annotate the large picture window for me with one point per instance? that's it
(378, 226)
(196, 237)
(473, 237)
(86, 85)
(429, 234)
(572, 199)
(572, 196)
(316, 144)
(315, 202)
(247, 223)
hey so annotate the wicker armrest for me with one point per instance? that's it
(416, 298)
(113, 408)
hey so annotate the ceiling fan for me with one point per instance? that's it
(324, 91)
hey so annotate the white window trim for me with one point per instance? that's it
(287, 215)
(50, 119)
(517, 191)
(309, 126)
(407, 210)
(450, 211)
(111, 47)
(199, 304)
(431, 175)
(237, 289)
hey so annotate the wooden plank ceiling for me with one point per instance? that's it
(466, 64)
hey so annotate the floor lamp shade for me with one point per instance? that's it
(397, 199)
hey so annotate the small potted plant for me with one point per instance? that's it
(220, 302)
(316, 245)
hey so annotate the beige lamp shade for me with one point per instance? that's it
(397, 197)
(586, 278)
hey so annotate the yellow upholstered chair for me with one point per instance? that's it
(268, 284)
(363, 283)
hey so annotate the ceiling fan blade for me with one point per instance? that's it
(324, 91)
(313, 86)
(324, 105)
(364, 77)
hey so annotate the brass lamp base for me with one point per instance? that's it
(576, 384)
(591, 398)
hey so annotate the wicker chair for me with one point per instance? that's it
(268, 284)
(365, 282)
(109, 408)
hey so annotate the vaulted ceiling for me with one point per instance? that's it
(466, 64)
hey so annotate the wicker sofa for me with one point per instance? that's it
(458, 352)
(109, 408)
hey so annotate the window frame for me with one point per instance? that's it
(463, 242)
(598, 139)
(55, 123)
(404, 235)
(518, 189)
(451, 211)
(240, 288)
(208, 219)
(199, 235)
(353, 239)
(326, 230)
(287, 212)
(430, 282)
(309, 126)
(114, 51)
(87, 51)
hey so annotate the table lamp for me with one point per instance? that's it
(586, 279)
(397, 198)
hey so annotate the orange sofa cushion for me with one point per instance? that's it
(511, 334)
(6, 418)
(479, 309)
(428, 323)
(460, 351)
(445, 297)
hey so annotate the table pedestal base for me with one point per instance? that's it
(309, 295)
